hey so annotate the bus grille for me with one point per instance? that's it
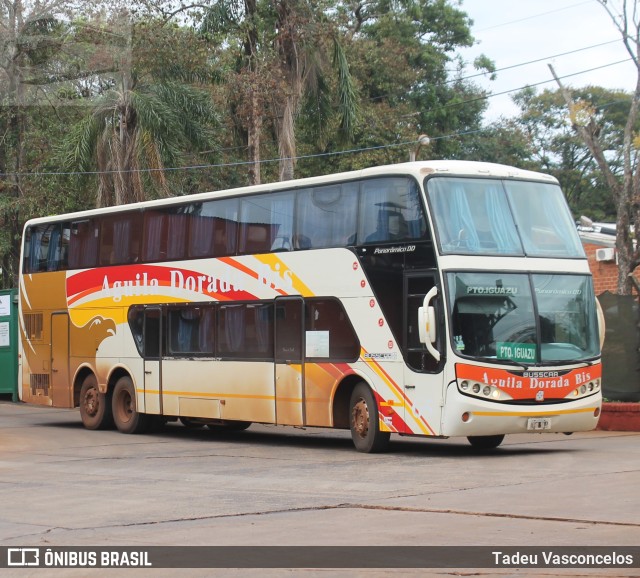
(33, 326)
(40, 383)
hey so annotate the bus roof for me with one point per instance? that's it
(418, 169)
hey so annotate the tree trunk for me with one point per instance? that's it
(253, 139)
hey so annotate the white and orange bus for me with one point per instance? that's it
(436, 298)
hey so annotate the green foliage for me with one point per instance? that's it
(144, 94)
(558, 150)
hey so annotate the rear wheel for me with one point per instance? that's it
(485, 442)
(125, 415)
(364, 421)
(95, 407)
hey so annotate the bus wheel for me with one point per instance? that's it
(127, 419)
(485, 442)
(95, 407)
(365, 425)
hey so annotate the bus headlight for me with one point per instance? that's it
(587, 388)
(482, 390)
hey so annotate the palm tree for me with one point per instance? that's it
(137, 129)
(309, 50)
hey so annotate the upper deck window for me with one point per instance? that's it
(501, 217)
(390, 211)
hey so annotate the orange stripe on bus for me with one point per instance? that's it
(399, 393)
(533, 414)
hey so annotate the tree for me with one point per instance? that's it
(557, 149)
(29, 32)
(287, 55)
(403, 59)
(306, 43)
(625, 188)
(145, 121)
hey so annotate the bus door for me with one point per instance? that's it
(289, 360)
(153, 338)
(423, 380)
(61, 391)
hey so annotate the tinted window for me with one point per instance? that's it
(147, 330)
(165, 234)
(213, 229)
(83, 244)
(390, 211)
(326, 216)
(136, 324)
(120, 238)
(329, 334)
(46, 248)
(191, 330)
(266, 223)
(245, 331)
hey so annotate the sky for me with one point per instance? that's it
(514, 32)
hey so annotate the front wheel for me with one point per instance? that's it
(95, 407)
(364, 421)
(485, 442)
(127, 419)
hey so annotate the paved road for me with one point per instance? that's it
(63, 485)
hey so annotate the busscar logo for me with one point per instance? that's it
(23, 557)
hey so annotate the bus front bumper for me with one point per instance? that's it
(469, 416)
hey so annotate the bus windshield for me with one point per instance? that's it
(523, 318)
(502, 217)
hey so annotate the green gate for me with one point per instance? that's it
(9, 343)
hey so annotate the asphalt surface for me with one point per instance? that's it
(63, 485)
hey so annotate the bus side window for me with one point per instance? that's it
(120, 238)
(190, 330)
(390, 210)
(245, 331)
(213, 228)
(266, 223)
(326, 216)
(329, 332)
(83, 244)
(46, 248)
(136, 324)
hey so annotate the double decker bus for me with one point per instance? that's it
(436, 298)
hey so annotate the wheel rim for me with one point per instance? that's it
(360, 418)
(124, 406)
(91, 402)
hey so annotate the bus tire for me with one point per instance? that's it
(364, 421)
(95, 407)
(125, 416)
(486, 442)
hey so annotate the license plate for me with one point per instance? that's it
(538, 423)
